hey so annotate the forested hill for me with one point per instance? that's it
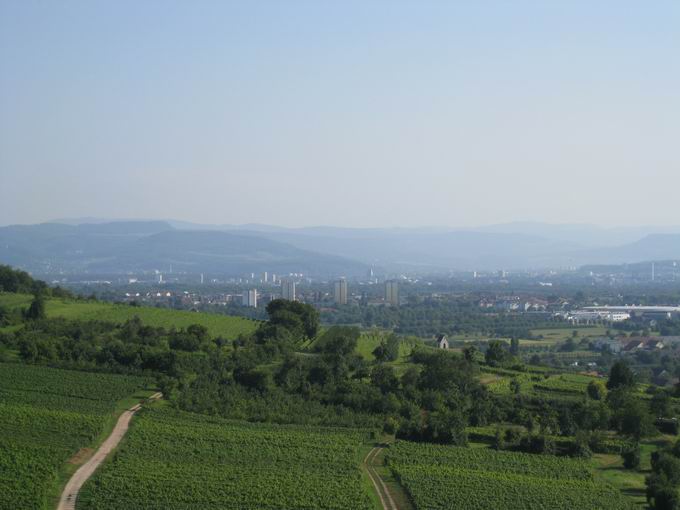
(16, 281)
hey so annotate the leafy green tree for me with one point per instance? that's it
(631, 456)
(620, 376)
(538, 443)
(340, 340)
(383, 377)
(569, 345)
(498, 442)
(37, 309)
(596, 390)
(660, 404)
(14, 280)
(300, 318)
(514, 346)
(470, 353)
(496, 354)
(387, 350)
(581, 445)
(448, 427)
(444, 371)
(634, 420)
(666, 498)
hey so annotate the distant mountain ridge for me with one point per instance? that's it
(119, 247)
(331, 251)
(650, 247)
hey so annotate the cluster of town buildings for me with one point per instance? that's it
(340, 293)
(621, 345)
(287, 288)
(514, 304)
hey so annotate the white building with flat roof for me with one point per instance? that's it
(639, 311)
(288, 289)
(340, 291)
(250, 298)
(392, 292)
(587, 316)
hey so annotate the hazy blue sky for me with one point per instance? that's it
(363, 113)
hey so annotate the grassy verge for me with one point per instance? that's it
(398, 493)
(366, 479)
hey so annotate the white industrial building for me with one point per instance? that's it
(656, 312)
(588, 316)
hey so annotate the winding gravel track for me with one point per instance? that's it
(70, 493)
(380, 487)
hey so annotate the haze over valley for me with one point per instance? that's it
(121, 246)
(350, 255)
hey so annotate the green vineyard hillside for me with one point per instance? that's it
(449, 477)
(46, 416)
(174, 460)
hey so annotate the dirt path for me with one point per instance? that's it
(70, 493)
(380, 487)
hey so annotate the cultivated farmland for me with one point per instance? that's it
(174, 460)
(46, 416)
(448, 477)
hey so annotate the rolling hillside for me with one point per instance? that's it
(218, 325)
(120, 247)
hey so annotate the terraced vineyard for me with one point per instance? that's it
(218, 325)
(561, 385)
(46, 416)
(448, 477)
(174, 460)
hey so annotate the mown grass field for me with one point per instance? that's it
(559, 335)
(47, 416)
(218, 325)
(175, 460)
(549, 337)
(370, 339)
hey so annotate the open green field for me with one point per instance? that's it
(174, 460)
(448, 477)
(549, 336)
(11, 300)
(631, 482)
(370, 339)
(558, 335)
(218, 325)
(46, 417)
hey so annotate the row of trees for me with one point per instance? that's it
(425, 319)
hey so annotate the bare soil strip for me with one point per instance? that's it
(70, 493)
